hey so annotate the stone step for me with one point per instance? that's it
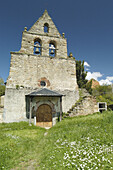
(83, 106)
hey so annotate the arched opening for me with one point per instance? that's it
(52, 49)
(43, 83)
(44, 116)
(46, 27)
(37, 46)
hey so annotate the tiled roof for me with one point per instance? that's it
(44, 92)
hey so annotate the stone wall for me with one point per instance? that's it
(1, 114)
(37, 31)
(2, 100)
(15, 105)
(59, 74)
(1, 108)
(27, 70)
(87, 105)
(38, 27)
(27, 45)
(69, 99)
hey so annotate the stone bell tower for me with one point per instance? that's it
(44, 33)
(42, 62)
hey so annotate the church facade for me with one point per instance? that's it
(42, 78)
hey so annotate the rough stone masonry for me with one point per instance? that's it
(42, 62)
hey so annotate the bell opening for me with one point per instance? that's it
(52, 50)
(37, 46)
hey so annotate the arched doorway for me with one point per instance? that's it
(44, 116)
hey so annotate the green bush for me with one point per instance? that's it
(17, 87)
(2, 87)
(103, 94)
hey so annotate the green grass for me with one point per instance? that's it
(19, 143)
(83, 142)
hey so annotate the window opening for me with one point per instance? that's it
(37, 47)
(52, 50)
(102, 106)
(46, 28)
(43, 83)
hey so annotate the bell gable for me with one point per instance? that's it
(44, 25)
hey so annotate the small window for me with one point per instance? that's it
(102, 106)
(43, 83)
(46, 28)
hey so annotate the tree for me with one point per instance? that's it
(88, 87)
(81, 74)
(2, 87)
(1, 81)
(104, 94)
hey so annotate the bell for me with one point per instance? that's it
(52, 48)
(52, 51)
(37, 50)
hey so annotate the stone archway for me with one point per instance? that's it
(44, 116)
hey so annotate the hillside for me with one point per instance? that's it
(83, 142)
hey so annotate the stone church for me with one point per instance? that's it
(42, 79)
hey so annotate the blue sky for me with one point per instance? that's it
(87, 24)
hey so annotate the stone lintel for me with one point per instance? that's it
(62, 58)
(45, 34)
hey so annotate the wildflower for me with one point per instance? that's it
(109, 161)
(73, 156)
(58, 141)
(72, 163)
(73, 143)
(84, 153)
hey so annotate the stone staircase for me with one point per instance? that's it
(87, 104)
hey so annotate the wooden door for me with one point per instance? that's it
(44, 116)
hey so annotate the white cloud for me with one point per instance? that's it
(109, 78)
(107, 81)
(94, 75)
(86, 64)
(87, 69)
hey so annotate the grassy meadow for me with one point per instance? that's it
(83, 143)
